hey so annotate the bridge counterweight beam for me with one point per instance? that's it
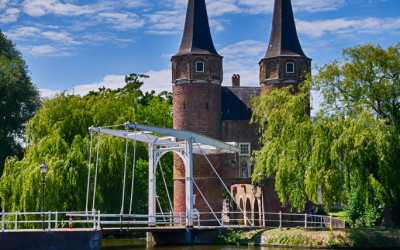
(188, 159)
(152, 184)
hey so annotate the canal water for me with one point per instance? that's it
(136, 244)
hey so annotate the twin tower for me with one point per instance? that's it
(202, 105)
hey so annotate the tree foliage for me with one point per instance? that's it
(19, 99)
(58, 134)
(351, 150)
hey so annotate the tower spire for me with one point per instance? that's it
(197, 61)
(284, 40)
(285, 62)
(197, 37)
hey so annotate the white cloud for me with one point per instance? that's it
(44, 50)
(10, 15)
(242, 58)
(257, 6)
(166, 22)
(135, 3)
(3, 4)
(122, 21)
(43, 7)
(158, 81)
(220, 7)
(344, 26)
(22, 33)
(62, 37)
(267, 6)
(318, 5)
(48, 92)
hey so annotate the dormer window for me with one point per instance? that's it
(289, 67)
(199, 66)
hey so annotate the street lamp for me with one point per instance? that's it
(261, 179)
(254, 190)
(43, 170)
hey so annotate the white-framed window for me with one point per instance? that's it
(199, 66)
(245, 149)
(289, 67)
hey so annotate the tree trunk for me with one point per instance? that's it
(387, 216)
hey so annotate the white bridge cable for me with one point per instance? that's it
(133, 174)
(219, 177)
(166, 188)
(204, 198)
(97, 166)
(90, 162)
(123, 185)
(159, 206)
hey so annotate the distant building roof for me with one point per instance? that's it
(197, 36)
(284, 40)
(235, 103)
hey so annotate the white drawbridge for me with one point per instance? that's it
(183, 143)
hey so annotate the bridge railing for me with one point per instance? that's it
(267, 219)
(31, 220)
(95, 220)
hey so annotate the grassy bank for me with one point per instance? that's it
(318, 238)
(371, 237)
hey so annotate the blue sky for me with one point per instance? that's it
(94, 43)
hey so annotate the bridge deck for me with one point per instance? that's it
(172, 229)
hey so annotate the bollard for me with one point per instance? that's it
(70, 222)
(49, 221)
(16, 221)
(56, 223)
(305, 220)
(2, 222)
(280, 219)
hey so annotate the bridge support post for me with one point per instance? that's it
(189, 182)
(152, 185)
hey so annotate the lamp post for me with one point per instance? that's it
(261, 179)
(254, 190)
(43, 170)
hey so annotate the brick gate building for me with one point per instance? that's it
(202, 105)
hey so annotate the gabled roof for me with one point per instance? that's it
(197, 36)
(284, 40)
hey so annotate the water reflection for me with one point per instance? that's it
(124, 244)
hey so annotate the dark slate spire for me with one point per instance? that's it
(197, 37)
(284, 40)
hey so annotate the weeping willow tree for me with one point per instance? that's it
(58, 134)
(351, 150)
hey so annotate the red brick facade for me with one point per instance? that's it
(201, 105)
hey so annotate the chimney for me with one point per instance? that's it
(236, 80)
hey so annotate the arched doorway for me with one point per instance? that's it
(241, 215)
(248, 211)
(256, 213)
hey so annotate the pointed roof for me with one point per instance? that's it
(284, 40)
(197, 36)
